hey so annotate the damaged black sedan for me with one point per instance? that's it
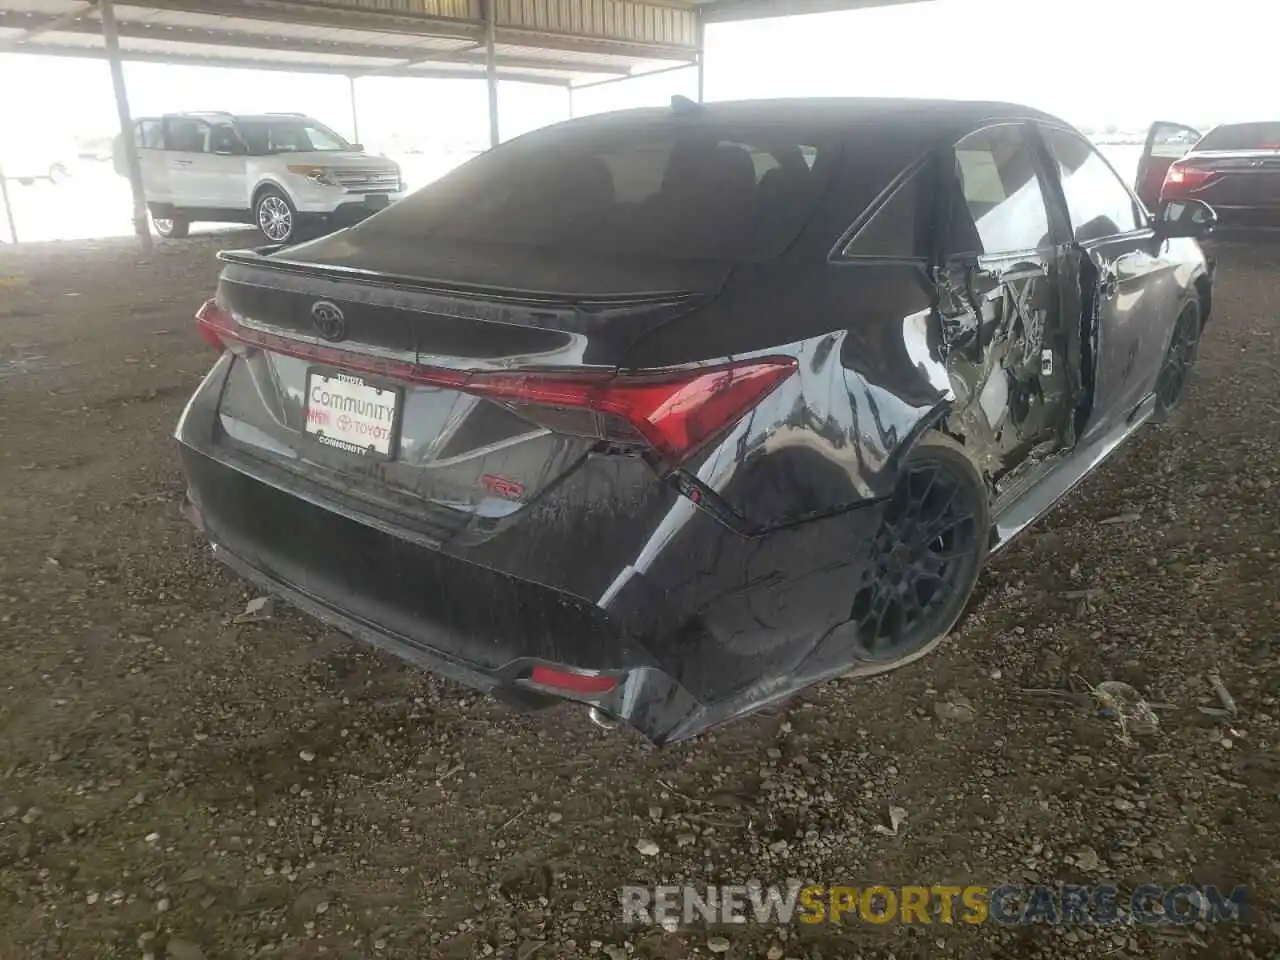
(674, 412)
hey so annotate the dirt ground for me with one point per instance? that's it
(175, 784)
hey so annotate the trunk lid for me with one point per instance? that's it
(1239, 177)
(485, 270)
(331, 387)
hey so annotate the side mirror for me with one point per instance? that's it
(1185, 218)
(358, 147)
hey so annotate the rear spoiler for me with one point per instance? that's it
(267, 258)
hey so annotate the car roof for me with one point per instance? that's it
(227, 115)
(837, 111)
(274, 117)
(1244, 123)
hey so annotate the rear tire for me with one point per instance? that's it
(172, 228)
(925, 559)
(275, 216)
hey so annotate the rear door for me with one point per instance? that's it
(186, 151)
(1001, 316)
(1166, 142)
(148, 138)
(224, 171)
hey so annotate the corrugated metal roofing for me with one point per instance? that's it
(721, 11)
(652, 23)
(542, 41)
(545, 41)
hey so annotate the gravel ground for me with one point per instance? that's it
(176, 784)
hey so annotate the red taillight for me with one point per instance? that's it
(571, 682)
(1180, 179)
(675, 412)
(216, 323)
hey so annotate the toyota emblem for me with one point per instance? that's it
(328, 319)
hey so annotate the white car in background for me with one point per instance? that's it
(281, 172)
(26, 162)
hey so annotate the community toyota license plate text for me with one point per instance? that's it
(348, 412)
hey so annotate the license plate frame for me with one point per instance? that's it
(376, 201)
(360, 385)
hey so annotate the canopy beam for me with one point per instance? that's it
(8, 208)
(111, 41)
(491, 68)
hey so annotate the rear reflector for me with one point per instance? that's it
(571, 682)
(674, 411)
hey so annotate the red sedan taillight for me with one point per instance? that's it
(1182, 180)
(674, 412)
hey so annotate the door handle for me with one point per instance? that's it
(182, 163)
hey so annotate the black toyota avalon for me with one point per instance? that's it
(674, 412)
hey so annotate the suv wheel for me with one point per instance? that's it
(275, 216)
(172, 227)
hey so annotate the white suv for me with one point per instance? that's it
(278, 171)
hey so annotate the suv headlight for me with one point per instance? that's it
(320, 175)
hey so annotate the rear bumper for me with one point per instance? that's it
(473, 625)
(433, 660)
(1247, 217)
(699, 624)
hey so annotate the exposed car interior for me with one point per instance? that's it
(1004, 347)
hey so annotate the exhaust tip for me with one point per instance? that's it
(602, 719)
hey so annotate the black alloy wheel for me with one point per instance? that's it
(1178, 360)
(926, 557)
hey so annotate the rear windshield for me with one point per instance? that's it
(686, 188)
(1243, 136)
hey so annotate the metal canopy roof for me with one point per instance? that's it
(722, 11)
(536, 41)
(560, 42)
(566, 43)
